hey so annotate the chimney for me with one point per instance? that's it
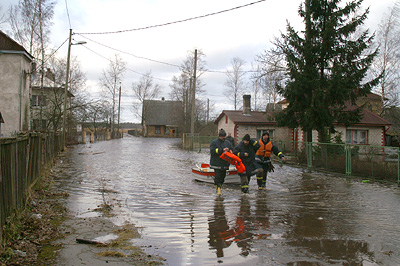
(246, 105)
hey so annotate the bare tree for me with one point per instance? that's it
(30, 22)
(95, 114)
(387, 63)
(110, 82)
(144, 90)
(3, 18)
(269, 83)
(181, 87)
(235, 82)
(256, 86)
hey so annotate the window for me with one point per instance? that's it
(38, 100)
(356, 136)
(36, 124)
(226, 119)
(157, 130)
(261, 131)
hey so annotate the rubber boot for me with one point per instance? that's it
(264, 180)
(245, 189)
(219, 190)
(260, 182)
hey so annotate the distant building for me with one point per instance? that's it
(162, 118)
(47, 102)
(15, 69)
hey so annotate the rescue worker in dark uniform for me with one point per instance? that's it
(217, 147)
(231, 139)
(263, 160)
(246, 151)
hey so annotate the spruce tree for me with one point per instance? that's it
(326, 67)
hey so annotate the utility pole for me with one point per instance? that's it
(308, 56)
(66, 88)
(208, 110)
(193, 93)
(119, 105)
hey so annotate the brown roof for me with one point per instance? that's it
(158, 113)
(8, 44)
(369, 118)
(255, 117)
(258, 118)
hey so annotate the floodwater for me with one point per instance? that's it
(300, 219)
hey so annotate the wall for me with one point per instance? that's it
(280, 133)
(14, 87)
(164, 133)
(228, 126)
(375, 135)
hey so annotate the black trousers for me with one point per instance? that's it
(219, 177)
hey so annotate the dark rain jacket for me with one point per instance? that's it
(251, 148)
(216, 149)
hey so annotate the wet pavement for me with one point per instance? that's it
(300, 219)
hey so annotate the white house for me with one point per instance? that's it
(15, 69)
(370, 130)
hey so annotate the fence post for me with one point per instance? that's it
(348, 160)
(198, 137)
(309, 155)
(398, 166)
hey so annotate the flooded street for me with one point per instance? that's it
(301, 219)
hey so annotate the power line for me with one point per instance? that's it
(175, 22)
(126, 68)
(153, 60)
(140, 57)
(56, 50)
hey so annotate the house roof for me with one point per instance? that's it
(8, 45)
(157, 113)
(262, 118)
(369, 118)
(255, 117)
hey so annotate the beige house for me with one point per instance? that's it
(15, 69)
(47, 102)
(370, 130)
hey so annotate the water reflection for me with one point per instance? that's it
(337, 251)
(245, 227)
(217, 226)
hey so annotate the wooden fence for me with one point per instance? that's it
(22, 160)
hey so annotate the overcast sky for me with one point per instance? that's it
(243, 32)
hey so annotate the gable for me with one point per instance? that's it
(255, 117)
(158, 113)
(8, 45)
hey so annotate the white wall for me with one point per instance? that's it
(15, 99)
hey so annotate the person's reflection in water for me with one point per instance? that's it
(217, 225)
(261, 217)
(243, 236)
(221, 236)
(242, 232)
